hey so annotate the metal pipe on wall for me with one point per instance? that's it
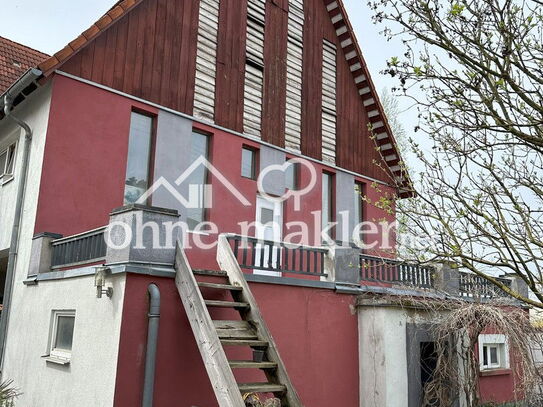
(152, 341)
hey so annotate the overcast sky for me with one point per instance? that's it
(49, 25)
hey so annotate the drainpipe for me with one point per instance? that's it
(28, 78)
(152, 340)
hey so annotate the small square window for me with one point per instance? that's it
(61, 338)
(292, 176)
(248, 163)
(493, 352)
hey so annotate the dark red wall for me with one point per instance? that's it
(85, 157)
(315, 330)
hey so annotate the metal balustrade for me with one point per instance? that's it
(377, 269)
(88, 247)
(280, 257)
(472, 285)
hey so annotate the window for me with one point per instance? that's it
(248, 163)
(139, 157)
(292, 176)
(198, 179)
(327, 199)
(358, 203)
(7, 163)
(61, 338)
(493, 352)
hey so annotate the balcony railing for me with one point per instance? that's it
(472, 285)
(84, 248)
(376, 269)
(280, 257)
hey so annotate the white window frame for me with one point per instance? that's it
(6, 176)
(498, 341)
(57, 355)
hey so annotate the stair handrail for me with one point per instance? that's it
(228, 263)
(216, 363)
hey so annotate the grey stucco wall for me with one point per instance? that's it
(172, 158)
(344, 206)
(274, 182)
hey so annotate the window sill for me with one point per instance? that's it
(57, 360)
(6, 179)
(495, 372)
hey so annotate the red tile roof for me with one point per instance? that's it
(15, 60)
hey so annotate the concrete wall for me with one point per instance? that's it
(383, 358)
(89, 380)
(35, 111)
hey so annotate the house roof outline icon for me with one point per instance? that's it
(163, 182)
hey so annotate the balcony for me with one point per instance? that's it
(340, 268)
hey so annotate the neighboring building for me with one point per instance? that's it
(236, 87)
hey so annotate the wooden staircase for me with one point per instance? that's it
(249, 331)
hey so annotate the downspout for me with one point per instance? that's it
(10, 94)
(152, 340)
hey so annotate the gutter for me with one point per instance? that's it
(152, 342)
(6, 103)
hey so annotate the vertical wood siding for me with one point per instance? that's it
(254, 68)
(293, 119)
(206, 60)
(231, 64)
(329, 81)
(150, 53)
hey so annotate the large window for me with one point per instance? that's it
(327, 200)
(198, 179)
(292, 176)
(358, 203)
(61, 336)
(7, 163)
(139, 157)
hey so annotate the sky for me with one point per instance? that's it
(49, 25)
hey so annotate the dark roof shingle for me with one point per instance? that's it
(15, 60)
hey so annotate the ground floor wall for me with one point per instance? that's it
(89, 379)
(391, 340)
(315, 330)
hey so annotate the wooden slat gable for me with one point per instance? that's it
(147, 48)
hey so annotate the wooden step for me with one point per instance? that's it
(249, 364)
(235, 330)
(204, 284)
(253, 343)
(226, 304)
(214, 273)
(261, 388)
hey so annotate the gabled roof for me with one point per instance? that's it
(15, 60)
(344, 30)
(366, 89)
(120, 9)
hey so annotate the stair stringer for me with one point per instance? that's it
(220, 374)
(227, 262)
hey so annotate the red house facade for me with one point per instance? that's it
(220, 118)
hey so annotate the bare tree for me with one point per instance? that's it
(475, 70)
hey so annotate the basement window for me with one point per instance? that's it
(7, 164)
(493, 352)
(61, 337)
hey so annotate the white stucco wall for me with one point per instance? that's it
(89, 380)
(35, 111)
(383, 357)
